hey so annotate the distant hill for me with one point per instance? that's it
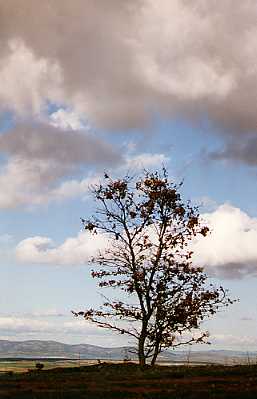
(38, 348)
(53, 349)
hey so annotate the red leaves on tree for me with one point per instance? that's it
(150, 227)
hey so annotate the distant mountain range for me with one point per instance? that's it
(37, 348)
(52, 349)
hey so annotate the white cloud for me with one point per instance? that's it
(77, 330)
(20, 324)
(146, 160)
(230, 250)
(63, 329)
(73, 251)
(41, 160)
(67, 120)
(207, 203)
(23, 180)
(242, 342)
(34, 182)
(26, 80)
(72, 189)
(38, 323)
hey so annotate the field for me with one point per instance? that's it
(21, 366)
(128, 381)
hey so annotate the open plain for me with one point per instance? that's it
(128, 381)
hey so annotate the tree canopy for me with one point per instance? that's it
(163, 297)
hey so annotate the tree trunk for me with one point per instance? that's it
(141, 348)
(156, 353)
(141, 352)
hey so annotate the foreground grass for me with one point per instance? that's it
(128, 381)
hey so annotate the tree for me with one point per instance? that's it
(39, 366)
(149, 261)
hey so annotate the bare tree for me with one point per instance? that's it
(148, 259)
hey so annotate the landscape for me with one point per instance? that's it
(128, 380)
(56, 352)
(85, 371)
(128, 200)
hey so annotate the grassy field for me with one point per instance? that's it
(128, 381)
(21, 366)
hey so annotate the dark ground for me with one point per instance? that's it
(107, 381)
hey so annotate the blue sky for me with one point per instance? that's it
(90, 90)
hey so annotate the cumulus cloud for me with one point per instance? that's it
(230, 250)
(23, 181)
(34, 182)
(71, 189)
(73, 251)
(27, 80)
(41, 160)
(118, 63)
(45, 163)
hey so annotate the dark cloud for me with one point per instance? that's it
(119, 62)
(41, 160)
(44, 142)
(244, 150)
(234, 270)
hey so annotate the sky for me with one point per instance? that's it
(89, 87)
